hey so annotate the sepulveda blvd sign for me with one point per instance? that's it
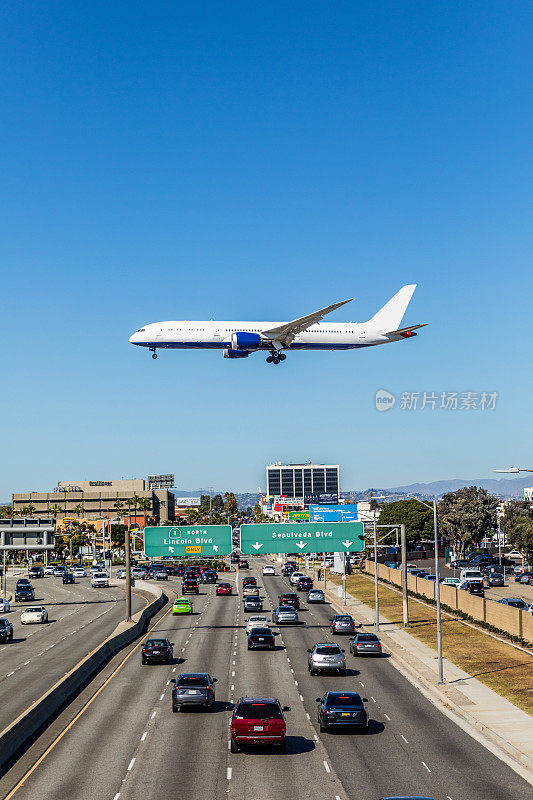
(314, 537)
(188, 540)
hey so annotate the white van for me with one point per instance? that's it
(100, 580)
(471, 575)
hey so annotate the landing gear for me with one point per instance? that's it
(276, 357)
(154, 354)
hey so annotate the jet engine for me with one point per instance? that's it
(229, 353)
(245, 340)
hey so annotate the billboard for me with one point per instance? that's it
(299, 515)
(321, 499)
(160, 481)
(189, 502)
(333, 513)
(289, 501)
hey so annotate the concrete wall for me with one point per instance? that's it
(507, 618)
(15, 735)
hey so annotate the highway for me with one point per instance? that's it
(80, 617)
(124, 743)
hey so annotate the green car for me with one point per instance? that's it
(182, 605)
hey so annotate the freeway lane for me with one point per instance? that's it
(80, 617)
(128, 745)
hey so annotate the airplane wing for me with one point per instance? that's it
(405, 333)
(286, 333)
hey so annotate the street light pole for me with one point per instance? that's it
(405, 602)
(376, 593)
(128, 572)
(437, 594)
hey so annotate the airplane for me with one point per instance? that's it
(240, 339)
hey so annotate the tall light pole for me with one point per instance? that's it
(376, 593)
(437, 584)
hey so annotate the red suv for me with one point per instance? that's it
(224, 588)
(258, 720)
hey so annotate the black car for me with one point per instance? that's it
(6, 631)
(36, 572)
(304, 584)
(23, 582)
(474, 587)
(157, 651)
(496, 579)
(250, 581)
(287, 569)
(243, 564)
(68, 577)
(234, 559)
(253, 604)
(261, 639)
(190, 586)
(342, 710)
(193, 690)
(209, 577)
(289, 599)
(24, 593)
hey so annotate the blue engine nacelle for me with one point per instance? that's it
(243, 340)
(229, 353)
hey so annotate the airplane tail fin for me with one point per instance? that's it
(389, 317)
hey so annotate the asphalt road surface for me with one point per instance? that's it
(124, 742)
(79, 618)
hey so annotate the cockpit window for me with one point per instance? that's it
(141, 330)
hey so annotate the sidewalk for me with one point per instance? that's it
(495, 718)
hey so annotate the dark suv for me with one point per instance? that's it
(6, 631)
(474, 587)
(157, 651)
(193, 690)
(36, 572)
(190, 586)
(304, 584)
(290, 599)
(24, 593)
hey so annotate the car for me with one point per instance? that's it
(289, 599)
(316, 596)
(526, 577)
(258, 721)
(22, 582)
(24, 593)
(99, 580)
(342, 623)
(59, 571)
(49, 570)
(285, 615)
(80, 572)
(288, 569)
(304, 584)
(34, 614)
(179, 570)
(515, 602)
(182, 605)
(249, 581)
(224, 589)
(342, 710)
(474, 587)
(193, 690)
(261, 639)
(406, 797)
(253, 604)
(36, 572)
(268, 569)
(250, 590)
(256, 621)
(471, 575)
(209, 576)
(161, 575)
(326, 657)
(190, 586)
(68, 577)
(514, 554)
(138, 572)
(496, 579)
(157, 651)
(121, 574)
(365, 644)
(295, 577)
(451, 581)
(6, 631)
(243, 564)
(5, 605)
(429, 577)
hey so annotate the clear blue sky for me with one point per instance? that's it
(170, 160)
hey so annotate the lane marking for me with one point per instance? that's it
(426, 766)
(405, 740)
(386, 715)
(132, 762)
(228, 774)
(153, 715)
(162, 696)
(143, 737)
(326, 766)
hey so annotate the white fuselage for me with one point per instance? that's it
(211, 334)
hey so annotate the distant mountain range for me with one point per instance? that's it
(501, 487)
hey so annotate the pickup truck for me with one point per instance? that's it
(100, 580)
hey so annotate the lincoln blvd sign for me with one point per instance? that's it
(314, 537)
(188, 540)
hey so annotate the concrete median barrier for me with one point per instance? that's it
(17, 733)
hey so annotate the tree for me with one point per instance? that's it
(517, 524)
(217, 503)
(55, 510)
(28, 511)
(418, 519)
(204, 507)
(135, 500)
(230, 503)
(145, 505)
(6, 511)
(119, 505)
(78, 510)
(466, 516)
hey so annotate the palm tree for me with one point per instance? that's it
(145, 504)
(78, 510)
(119, 505)
(55, 510)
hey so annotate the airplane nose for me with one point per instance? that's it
(133, 339)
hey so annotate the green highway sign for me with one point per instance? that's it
(303, 537)
(188, 540)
